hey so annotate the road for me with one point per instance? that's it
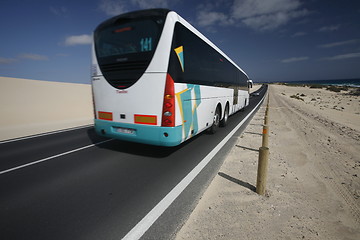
(77, 185)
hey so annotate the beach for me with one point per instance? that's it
(313, 182)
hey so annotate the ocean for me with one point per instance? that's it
(338, 82)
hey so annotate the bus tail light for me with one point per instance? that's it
(168, 113)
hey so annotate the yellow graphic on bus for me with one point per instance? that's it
(180, 53)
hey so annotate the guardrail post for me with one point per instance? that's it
(262, 170)
(265, 136)
(263, 155)
(266, 119)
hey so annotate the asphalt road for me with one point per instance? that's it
(77, 185)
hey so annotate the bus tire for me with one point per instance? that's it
(224, 121)
(216, 121)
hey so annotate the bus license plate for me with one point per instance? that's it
(125, 130)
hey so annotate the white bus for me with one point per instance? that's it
(157, 80)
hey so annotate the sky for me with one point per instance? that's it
(271, 40)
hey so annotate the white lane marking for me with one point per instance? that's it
(44, 134)
(141, 227)
(52, 157)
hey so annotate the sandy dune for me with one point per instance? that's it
(313, 189)
(31, 107)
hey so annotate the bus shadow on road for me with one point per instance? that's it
(134, 148)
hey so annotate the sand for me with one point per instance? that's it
(31, 106)
(313, 185)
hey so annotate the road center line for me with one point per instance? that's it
(52, 157)
(141, 227)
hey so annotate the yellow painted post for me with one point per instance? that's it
(262, 170)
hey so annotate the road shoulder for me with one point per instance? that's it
(309, 194)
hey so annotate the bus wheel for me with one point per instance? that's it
(216, 121)
(224, 121)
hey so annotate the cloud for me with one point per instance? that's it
(272, 21)
(336, 44)
(330, 28)
(294, 59)
(150, 3)
(252, 8)
(78, 40)
(113, 7)
(343, 56)
(116, 7)
(7, 60)
(258, 15)
(26, 56)
(208, 18)
(32, 56)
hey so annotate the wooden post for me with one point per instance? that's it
(262, 170)
(265, 139)
(266, 119)
(265, 134)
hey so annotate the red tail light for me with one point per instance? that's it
(168, 113)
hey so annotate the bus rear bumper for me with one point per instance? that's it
(153, 135)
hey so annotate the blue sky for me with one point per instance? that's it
(272, 40)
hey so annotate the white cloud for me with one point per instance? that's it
(268, 15)
(32, 56)
(256, 14)
(251, 8)
(266, 22)
(294, 59)
(330, 28)
(116, 7)
(208, 18)
(26, 56)
(7, 60)
(343, 56)
(336, 44)
(113, 7)
(78, 40)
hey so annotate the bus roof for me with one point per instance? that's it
(161, 12)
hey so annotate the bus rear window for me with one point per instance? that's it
(128, 38)
(125, 47)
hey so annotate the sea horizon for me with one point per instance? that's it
(354, 82)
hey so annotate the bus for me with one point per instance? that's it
(157, 80)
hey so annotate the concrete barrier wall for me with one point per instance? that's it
(30, 107)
